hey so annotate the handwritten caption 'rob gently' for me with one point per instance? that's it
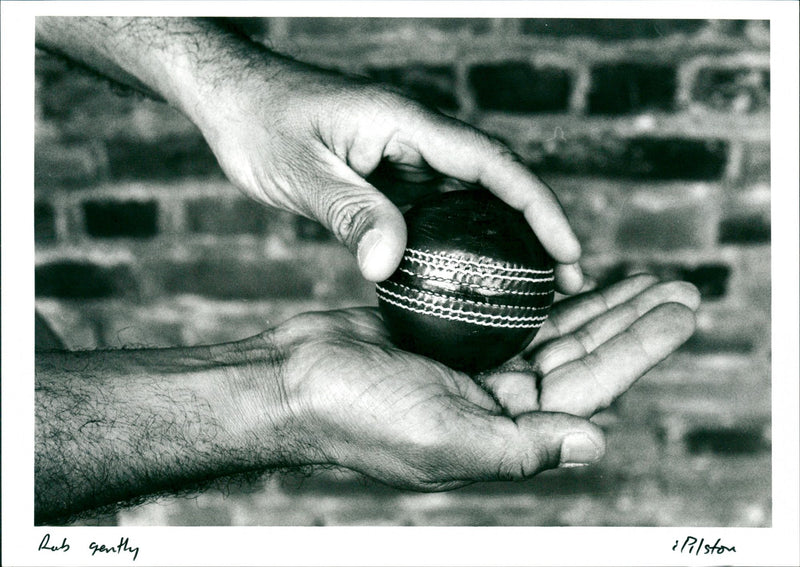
(122, 548)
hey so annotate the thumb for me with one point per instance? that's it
(537, 441)
(362, 218)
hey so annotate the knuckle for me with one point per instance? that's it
(347, 215)
(523, 464)
(501, 152)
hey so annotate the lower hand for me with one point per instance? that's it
(356, 401)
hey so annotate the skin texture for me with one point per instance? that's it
(303, 139)
(329, 388)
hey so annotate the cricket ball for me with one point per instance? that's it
(474, 284)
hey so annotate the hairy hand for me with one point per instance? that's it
(359, 402)
(305, 140)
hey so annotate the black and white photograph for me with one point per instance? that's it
(472, 270)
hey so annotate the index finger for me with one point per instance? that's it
(461, 151)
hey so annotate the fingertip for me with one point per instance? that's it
(381, 246)
(582, 447)
(563, 439)
(684, 320)
(553, 230)
(690, 295)
(515, 391)
(379, 255)
(569, 278)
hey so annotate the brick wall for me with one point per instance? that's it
(655, 136)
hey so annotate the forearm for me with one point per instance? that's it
(112, 426)
(180, 60)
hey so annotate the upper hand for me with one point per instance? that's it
(305, 140)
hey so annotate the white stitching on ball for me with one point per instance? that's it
(460, 300)
(479, 286)
(460, 314)
(462, 319)
(448, 258)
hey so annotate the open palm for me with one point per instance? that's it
(361, 403)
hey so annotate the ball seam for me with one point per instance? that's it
(488, 272)
(448, 258)
(466, 316)
(482, 286)
(464, 300)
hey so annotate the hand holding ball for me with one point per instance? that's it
(474, 284)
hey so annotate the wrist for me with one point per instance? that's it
(255, 410)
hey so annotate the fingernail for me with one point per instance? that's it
(372, 254)
(578, 449)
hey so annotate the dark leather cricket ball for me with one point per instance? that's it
(474, 284)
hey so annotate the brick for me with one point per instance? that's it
(732, 90)
(307, 230)
(520, 87)
(726, 441)
(710, 278)
(668, 217)
(81, 106)
(746, 215)
(167, 158)
(727, 28)
(635, 158)
(402, 27)
(734, 331)
(211, 215)
(433, 85)
(114, 219)
(232, 278)
(677, 158)
(755, 163)
(70, 321)
(68, 165)
(591, 205)
(744, 229)
(757, 32)
(715, 343)
(631, 87)
(44, 222)
(69, 91)
(45, 337)
(83, 280)
(609, 29)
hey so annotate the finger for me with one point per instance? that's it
(360, 216)
(611, 323)
(569, 278)
(463, 152)
(592, 382)
(500, 448)
(516, 392)
(569, 314)
(514, 385)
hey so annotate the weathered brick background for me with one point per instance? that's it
(655, 136)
